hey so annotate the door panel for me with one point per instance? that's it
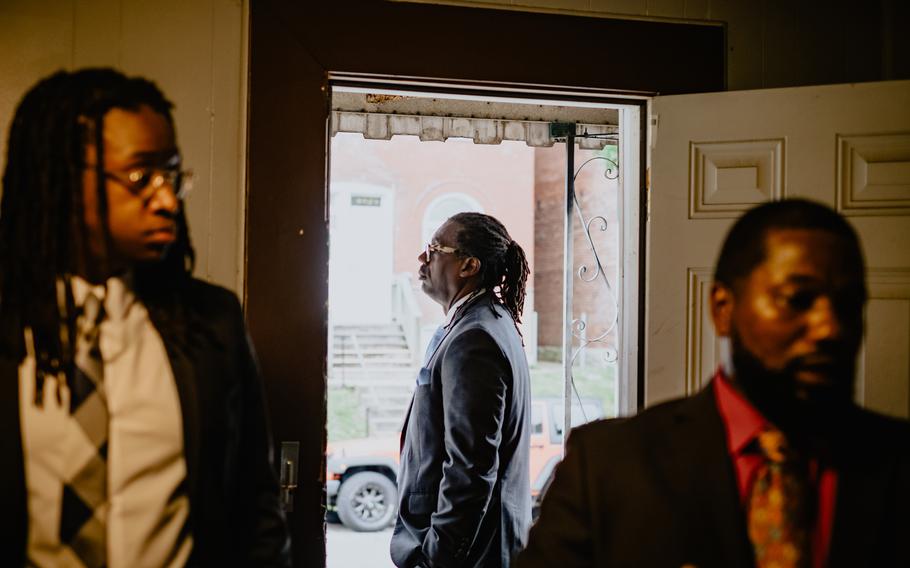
(884, 366)
(716, 155)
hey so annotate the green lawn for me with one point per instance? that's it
(590, 382)
(347, 420)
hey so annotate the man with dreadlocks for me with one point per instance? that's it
(133, 427)
(463, 483)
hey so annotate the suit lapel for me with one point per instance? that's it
(407, 415)
(438, 345)
(459, 314)
(865, 484)
(857, 514)
(404, 427)
(187, 390)
(178, 346)
(705, 484)
(12, 475)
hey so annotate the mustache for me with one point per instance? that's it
(794, 405)
(837, 365)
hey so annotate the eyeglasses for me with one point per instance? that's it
(430, 248)
(144, 182)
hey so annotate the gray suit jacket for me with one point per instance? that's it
(463, 482)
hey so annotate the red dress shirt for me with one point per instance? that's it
(743, 423)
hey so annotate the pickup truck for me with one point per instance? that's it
(361, 490)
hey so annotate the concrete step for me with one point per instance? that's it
(393, 343)
(388, 386)
(390, 353)
(375, 383)
(385, 426)
(399, 402)
(371, 361)
(369, 357)
(397, 413)
(399, 392)
(378, 365)
(367, 330)
(381, 372)
(352, 348)
(369, 336)
(374, 375)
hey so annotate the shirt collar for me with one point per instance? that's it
(116, 294)
(742, 421)
(453, 309)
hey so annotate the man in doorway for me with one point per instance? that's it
(772, 464)
(134, 429)
(463, 483)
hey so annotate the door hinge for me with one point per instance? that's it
(653, 122)
(647, 194)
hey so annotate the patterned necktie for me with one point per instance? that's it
(779, 506)
(84, 508)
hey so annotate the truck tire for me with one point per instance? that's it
(367, 501)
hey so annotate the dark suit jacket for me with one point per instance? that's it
(463, 482)
(659, 490)
(235, 515)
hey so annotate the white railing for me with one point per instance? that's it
(406, 313)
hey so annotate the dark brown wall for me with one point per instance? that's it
(293, 46)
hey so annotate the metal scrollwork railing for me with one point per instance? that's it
(579, 326)
(575, 328)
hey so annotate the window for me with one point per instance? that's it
(444, 207)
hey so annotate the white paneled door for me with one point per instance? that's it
(715, 155)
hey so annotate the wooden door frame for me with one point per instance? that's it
(293, 48)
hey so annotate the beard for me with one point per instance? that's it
(814, 412)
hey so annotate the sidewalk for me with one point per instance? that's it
(349, 549)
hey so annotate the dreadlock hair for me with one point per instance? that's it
(43, 237)
(503, 266)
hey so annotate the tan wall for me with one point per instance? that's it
(195, 51)
(771, 43)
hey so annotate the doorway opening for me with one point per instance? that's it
(401, 163)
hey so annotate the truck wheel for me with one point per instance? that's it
(367, 501)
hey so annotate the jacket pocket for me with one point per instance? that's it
(423, 377)
(422, 503)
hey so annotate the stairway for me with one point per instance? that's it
(376, 362)
(370, 347)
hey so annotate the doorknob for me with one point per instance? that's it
(288, 474)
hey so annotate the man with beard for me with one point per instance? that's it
(772, 464)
